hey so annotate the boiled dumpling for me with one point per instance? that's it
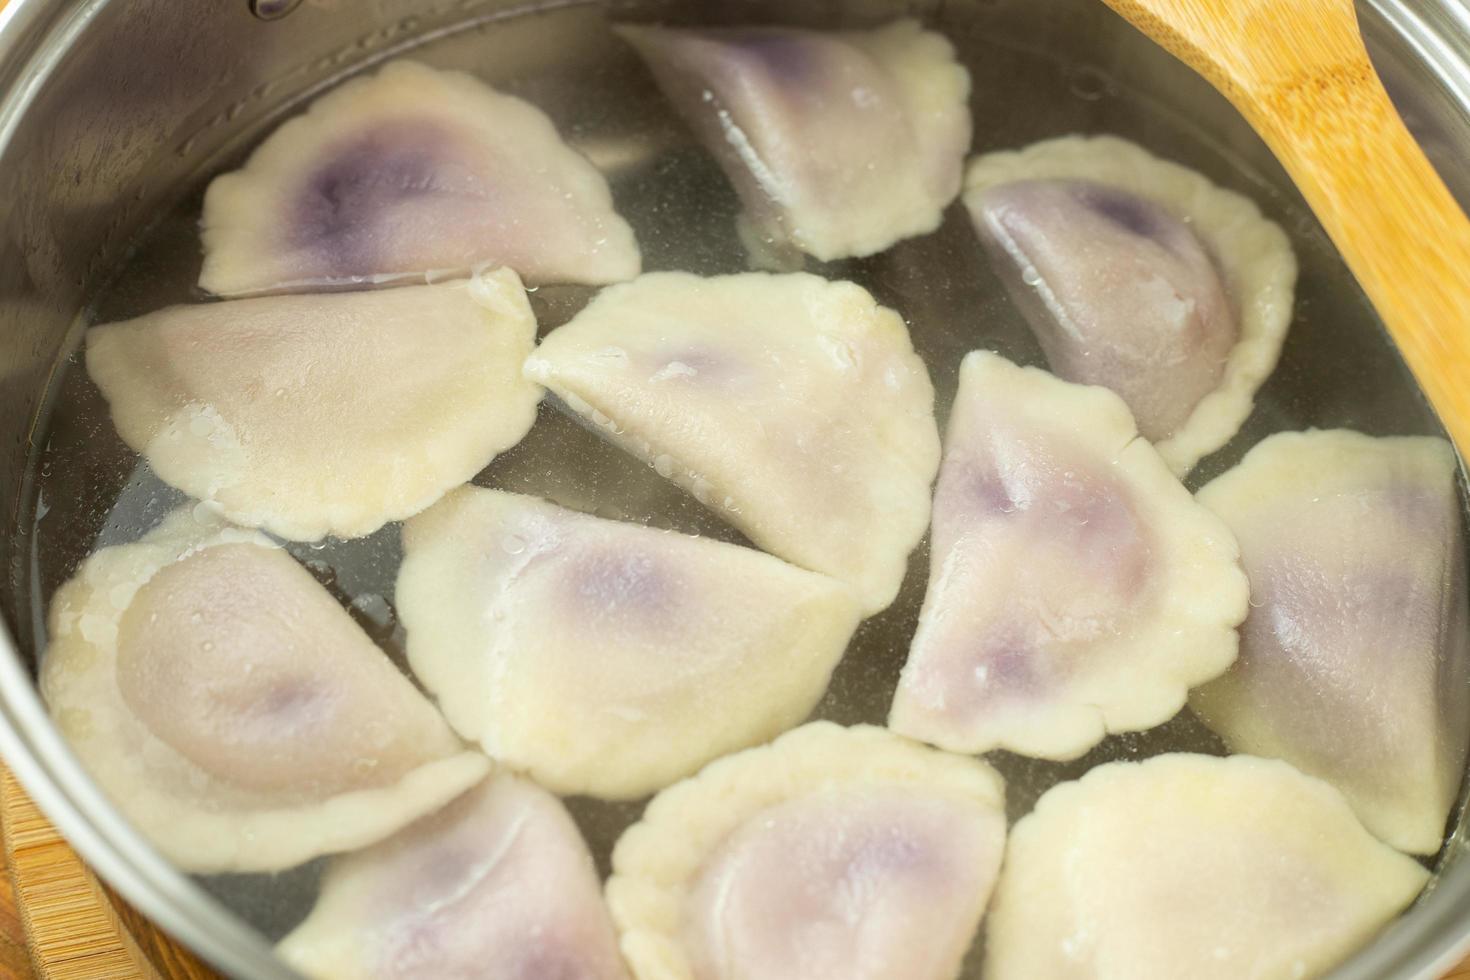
(831, 854)
(840, 144)
(1142, 276)
(1075, 588)
(1191, 866)
(498, 885)
(609, 658)
(793, 407)
(332, 414)
(1355, 660)
(233, 710)
(406, 173)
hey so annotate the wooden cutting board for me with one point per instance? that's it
(58, 922)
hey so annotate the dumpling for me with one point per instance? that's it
(840, 144)
(1355, 660)
(332, 414)
(609, 658)
(406, 173)
(1140, 275)
(233, 710)
(793, 407)
(1075, 587)
(1191, 866)
(499, 884)
(831, 854)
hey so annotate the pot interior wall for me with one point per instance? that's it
(102, 182)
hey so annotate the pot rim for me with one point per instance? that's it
(34, 36)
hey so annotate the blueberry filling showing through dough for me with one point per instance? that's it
(1119, 292)
(344, 207)
(1128, 212)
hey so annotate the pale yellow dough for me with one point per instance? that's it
(499, 884)
(1355, 662)
(609, 658)
(1191, 866)
(331, 414)
(1075, 586)
(1255, 257)
(858, 146)
(831, 854)
(412, 174)
(232, 709)
(793, 407)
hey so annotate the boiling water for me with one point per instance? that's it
(1337, 368)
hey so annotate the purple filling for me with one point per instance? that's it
(989, 490)
(1119, 292)
(292, 703)
(785, 56)
(1012, 667)
(553, 959)
(1134, 215)
(619, 584)
(343, 212)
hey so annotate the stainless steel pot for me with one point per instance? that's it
(112, 110)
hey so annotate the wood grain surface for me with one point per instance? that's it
(59, 922)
